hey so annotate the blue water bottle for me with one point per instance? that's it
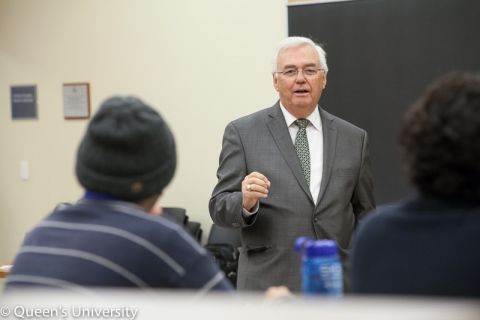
(321, 267)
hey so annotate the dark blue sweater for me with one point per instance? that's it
(421, 246)
(107, 243)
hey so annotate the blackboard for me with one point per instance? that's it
(381, 55)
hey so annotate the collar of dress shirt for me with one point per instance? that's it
(314, 117)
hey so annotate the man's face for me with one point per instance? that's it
(299, 94)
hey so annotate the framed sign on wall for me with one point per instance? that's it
(76, 100)
(24, 101)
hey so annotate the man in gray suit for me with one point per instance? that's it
(291, 170)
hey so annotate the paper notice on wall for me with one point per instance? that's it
(76, 100)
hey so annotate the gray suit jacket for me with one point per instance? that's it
(261, 142)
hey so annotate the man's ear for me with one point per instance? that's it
(275, 82)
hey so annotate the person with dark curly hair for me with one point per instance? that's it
(430, 244)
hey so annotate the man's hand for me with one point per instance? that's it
(254, 187)
(280, 293)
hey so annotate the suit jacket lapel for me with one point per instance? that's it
(278, 128)
(329, 146)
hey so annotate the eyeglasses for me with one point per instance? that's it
(293, 73)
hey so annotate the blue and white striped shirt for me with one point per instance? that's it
(110, 243)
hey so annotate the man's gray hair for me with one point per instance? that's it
(291, 42)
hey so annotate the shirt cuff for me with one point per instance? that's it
(247, 213)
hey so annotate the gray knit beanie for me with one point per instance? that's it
(127, 152)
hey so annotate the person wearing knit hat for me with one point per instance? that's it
(112, 237)
(128, 151)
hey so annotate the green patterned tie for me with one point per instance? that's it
(301, 146)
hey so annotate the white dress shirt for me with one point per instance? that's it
(315, 145)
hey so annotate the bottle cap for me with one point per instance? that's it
(320, 248)
(300, 244)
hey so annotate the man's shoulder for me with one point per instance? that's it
(340, 123)
(255, 117)
(116, 214)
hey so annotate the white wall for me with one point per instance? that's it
(200, 63)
